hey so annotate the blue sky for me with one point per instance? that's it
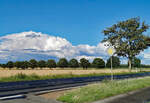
(79, 22)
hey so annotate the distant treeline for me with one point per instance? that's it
(73, 63)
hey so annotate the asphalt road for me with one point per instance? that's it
(31, 99)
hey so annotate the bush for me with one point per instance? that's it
(73, 63)
(98, 63)
(62, 63)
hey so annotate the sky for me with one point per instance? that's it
(50, 28)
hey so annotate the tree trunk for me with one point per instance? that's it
(130, 64)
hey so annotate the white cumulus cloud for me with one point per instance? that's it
(27, 45)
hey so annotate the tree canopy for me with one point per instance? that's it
(62, 63)
(115, 62)
(33, 63)
(51, 63)
(136, 62)
(98, 63)
(127, 37)
(84, 63)
(73, 63)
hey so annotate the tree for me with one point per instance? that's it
(127, 38)
(73, 63)
(17, 64)
(115, 62)
(62, 63)
(51, 63)
(33, 63)
(41, 64)
(24, 64)
(10, 64)
(84, 63)
(98, 63)
(3, 65)
(136, 62)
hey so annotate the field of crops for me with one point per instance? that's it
(46, 71)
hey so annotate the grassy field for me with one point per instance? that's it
(24, 77)
(58, 71)
(102, 90)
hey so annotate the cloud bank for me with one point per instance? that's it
(28, 45)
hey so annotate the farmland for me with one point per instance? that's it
(58, 71)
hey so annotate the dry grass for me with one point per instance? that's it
(46, 71)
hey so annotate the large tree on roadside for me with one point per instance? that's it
(127, 38)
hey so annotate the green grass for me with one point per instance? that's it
(94, 92)
(24, 77)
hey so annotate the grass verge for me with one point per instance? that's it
(102, 90)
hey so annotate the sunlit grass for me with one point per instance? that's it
(102, 90)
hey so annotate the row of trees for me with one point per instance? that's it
(62, 63)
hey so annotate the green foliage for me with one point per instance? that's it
(98, 63)
(84, 63)
(127, 37)
(25, 64)
(51, 63)
(136, 62)
(62, 63)
(41, 64)
(33, 63)
(3, 65)
(115, 62)
(73, 63)
(10, 64)
(21, 76)
(17, 64)
(94, 92)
